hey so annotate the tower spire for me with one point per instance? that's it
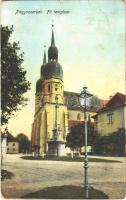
(52, 51)
(44, 58)
(52, 40)
(44, 63)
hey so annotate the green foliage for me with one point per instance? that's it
(76, 139)
(24, 143)
(113, 144)
(13, 76)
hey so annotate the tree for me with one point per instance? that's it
(75, 138)
(118, 139)
(101, 145)
(24, 143)
(112, 144)
(13, 76)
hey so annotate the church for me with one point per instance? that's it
(56, 110)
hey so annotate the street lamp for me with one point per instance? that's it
(84, 100)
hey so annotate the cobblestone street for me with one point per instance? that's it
(33, 175)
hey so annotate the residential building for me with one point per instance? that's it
(112, 117)
(12, 144)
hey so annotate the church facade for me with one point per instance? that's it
(56, 110)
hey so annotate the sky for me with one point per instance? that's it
(90, 36)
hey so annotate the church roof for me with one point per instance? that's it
(103, 102)
(72, 123)
(39, 85)
(72, 102)
(53, 70)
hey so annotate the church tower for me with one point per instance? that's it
(50, 119)
(53, 76)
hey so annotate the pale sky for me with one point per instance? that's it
(90, 39)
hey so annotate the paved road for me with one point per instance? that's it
(33, 175)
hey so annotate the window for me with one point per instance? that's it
(48, 87)
(13, 149)
(68, 115)
(110, 118)
(7, 149)
(56, 87)
(13, 144)
(61, 88)
(78, 116)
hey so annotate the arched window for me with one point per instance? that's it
(68, 115)
(48, 87)
(56, 87)
(78, 116)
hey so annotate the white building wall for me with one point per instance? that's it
(3, 146)
(12, 147)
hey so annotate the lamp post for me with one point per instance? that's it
(84, 100)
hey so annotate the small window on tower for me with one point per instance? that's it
(78, 116)
(48, 87)
(68, 115)
(56, 87)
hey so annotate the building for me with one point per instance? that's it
(12, 144)
(56, 110)
(3, 144)
(112, 117)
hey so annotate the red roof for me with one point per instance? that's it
(103, 102)
(73, 123)
(116, 100)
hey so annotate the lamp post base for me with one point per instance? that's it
(86, 186)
